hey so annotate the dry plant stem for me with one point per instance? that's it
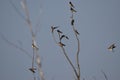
(78, 50)
(35, 50)
(65, 54)
(33, 58)
(38, 61)
(69, 61)
(24, 5)
(34, 76)
(54, 38)
(106, 78)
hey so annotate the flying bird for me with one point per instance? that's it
(53, 28)
(63, 36)
(111, 47)
(71, 4)
(72, 22)
(32, 69)
(72, 10)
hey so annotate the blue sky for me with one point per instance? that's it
(98, 22)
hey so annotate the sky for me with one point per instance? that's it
(97, 21)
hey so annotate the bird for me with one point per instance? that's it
(53, 28)
(34, 45)
(72, 10)
(111, 47)
(71, 4)
(77, 32)
(61, 44)
(72, 22)
(63, 36)
(59, 31)
(32, 69)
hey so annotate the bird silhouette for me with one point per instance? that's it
(72, 22)
(32, 69)
(63, 36)
(34, 46)
(53, 28)
(59, 31)
(77, 32)
(72, 10)
(111, 47)
(71, 4)
(61, 44)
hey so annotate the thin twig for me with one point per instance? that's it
(24, 5)
(69, 61)
(78, 44)
(65, 54)
(14, 45)
(17, 10)
(34, 45)
(106, 78)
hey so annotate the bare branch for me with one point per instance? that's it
(69, 61)
(17, 10)
(78, 42)
(14, 45)
(34, 44)
(106, 78)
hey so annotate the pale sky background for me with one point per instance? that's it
(98, 22)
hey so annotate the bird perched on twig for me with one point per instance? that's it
(72, 10)
(34, 45)
(53, 28)
(32, 69)
(61, 44)
(72, 22)
(77, 32)
(111, 47)
(63, 36)
(71, 4)
(59, 31)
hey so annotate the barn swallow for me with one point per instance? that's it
(77, 32)
(32, 69)
(61, 44)
(111, 47)
(59, 31)
(71, 4)
(72, 22)
(53, 28)
(63, 36)
(72, 10)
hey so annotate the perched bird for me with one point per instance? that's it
(72, 10)
(77, 32)
(53, 28)
(32, 69)
(111, 47)
(63, 36)
(61, 44)
(72, 22)
(34, 45)
(71, 4)
(59, 31)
